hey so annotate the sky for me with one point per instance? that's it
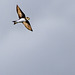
(49, 49)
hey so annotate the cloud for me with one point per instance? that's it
(49, 49)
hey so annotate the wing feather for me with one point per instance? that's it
(27, 25)
(19, 12)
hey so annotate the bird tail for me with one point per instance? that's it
(14, 22)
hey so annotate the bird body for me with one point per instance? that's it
(19, 21)
(22, 19)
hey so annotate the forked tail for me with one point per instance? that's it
(14, 22)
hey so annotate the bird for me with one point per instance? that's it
(22, 19)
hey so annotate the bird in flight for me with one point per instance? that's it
(22, 19)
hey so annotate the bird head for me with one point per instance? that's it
(27, 18)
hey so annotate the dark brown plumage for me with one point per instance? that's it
(19, 12)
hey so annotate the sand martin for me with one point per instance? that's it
(22, 19)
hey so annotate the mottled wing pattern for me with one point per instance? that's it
(19, 12)
(27, 25)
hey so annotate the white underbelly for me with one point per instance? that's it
(20, 20)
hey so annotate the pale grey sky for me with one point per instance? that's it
(49, 49)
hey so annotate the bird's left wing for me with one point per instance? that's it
(19, 12)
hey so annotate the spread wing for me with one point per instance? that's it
(19, 12)
(27, 25)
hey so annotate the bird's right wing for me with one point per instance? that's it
(27, 25)
(19, 12)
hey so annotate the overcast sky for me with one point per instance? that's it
(49, 49)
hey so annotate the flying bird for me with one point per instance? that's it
(22, 19)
